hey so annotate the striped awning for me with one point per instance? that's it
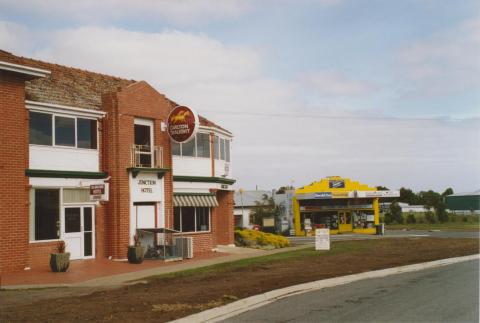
(204, 200)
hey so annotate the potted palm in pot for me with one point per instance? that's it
(136, 252)
(60, 260)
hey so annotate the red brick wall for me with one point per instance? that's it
(224, 218)
(202, 242)
(14, 197)
(39, 254)
(139, 100)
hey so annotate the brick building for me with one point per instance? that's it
(64, 129)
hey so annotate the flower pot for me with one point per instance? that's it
(59, 262)
(135, 254)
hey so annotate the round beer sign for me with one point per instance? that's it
(182, 124)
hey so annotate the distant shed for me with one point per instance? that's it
(469, 201)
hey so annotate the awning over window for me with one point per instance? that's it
(207, 200)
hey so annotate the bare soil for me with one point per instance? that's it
(166, 298)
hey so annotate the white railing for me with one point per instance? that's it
(146, 156)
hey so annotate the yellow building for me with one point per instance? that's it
(339, 204)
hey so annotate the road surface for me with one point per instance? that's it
(444, 294)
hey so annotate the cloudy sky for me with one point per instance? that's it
(385, 92)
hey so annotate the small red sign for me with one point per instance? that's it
(98, 189)
(182, 124)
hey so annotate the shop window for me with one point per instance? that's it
(86, 133)
(191, 219)
(40, 128)
(202, 219)
(44, 217)
(64, 131)
(203, 145)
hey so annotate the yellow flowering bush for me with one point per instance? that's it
(259, 239)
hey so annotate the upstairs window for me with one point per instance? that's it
(53, 130)
(86, 133)
(64, 131)
(188, 148)
(40, 128)
(203, 145)
(199, 146)
(222, 149)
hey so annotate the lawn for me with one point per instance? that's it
(454, 226)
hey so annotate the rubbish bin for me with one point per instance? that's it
(380, 229)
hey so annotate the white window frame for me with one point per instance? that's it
(195, 220)
(196, 147)
(31, 216)
(53, 115)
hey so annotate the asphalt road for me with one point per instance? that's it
(390, 234)
(444, 294)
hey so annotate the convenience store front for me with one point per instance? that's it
(338, 204)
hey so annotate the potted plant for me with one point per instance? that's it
(60, 260)
(136, 252)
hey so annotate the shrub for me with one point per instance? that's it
(430, 217)
(411, 218)
(258, 239)
(388, 218)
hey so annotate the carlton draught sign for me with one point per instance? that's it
(182, 124)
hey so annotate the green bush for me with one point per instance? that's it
(430, 217)
(411, 218)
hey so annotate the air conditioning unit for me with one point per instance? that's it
(184, 247)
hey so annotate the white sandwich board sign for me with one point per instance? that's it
(322, 239)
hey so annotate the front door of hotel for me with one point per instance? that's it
(78, 231)
(345, 222)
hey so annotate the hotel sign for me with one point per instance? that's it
(182, 124)
(98, 192)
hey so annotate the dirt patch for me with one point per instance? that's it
(166, 298)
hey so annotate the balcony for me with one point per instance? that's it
(146, 159)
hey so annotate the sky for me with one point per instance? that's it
(383, 92)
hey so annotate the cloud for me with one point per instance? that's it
(277, 139)
(335, 84)
(15, 37)
(443, 64)
(185, 12)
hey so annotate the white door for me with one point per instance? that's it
(146, 220)
(78, 231)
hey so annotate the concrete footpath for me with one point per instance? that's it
(111, 281)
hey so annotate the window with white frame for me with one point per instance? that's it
(45, 207)
(191, 219)
(44, 214)
(221, 148)
(199, 146)
(57, 130)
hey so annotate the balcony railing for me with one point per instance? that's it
(146, 156)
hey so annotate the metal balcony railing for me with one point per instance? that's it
(146, 156)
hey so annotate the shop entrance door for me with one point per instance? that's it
(345, 221)
(78, 231)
